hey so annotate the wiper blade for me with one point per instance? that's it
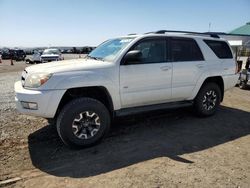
(95, 58)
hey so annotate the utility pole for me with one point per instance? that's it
(209, 26)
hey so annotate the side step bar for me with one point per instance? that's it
(141, 109)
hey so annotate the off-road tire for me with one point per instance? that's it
(199, 108)
(68, 114)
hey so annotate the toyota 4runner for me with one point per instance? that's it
(127, 75)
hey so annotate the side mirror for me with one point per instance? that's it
(132, 56)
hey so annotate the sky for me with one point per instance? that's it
(33, 23)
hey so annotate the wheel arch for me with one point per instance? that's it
(96, 92)
(214, 79)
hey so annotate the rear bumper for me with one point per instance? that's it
(230, 81)
(47, 101)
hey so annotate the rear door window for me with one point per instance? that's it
(220, 48)
(185, 49)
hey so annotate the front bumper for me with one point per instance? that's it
(47, 101)
(49, 59)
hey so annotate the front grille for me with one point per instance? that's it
(23, 77)
(49, 58)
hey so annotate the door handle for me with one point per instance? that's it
(165, 68)
(200, 66)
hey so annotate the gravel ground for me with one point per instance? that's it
(7, 80)
(162, 149)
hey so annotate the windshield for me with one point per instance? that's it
(109, 50)
(51, 51)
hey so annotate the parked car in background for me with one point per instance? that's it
(51, 54)
(5, 54)
(35, 58)
(15, 54)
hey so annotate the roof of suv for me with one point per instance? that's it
(188, 34)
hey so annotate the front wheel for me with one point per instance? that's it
(207, 100)
(83, 122)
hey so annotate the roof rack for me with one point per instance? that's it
(214, 35)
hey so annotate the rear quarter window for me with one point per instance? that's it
(220, 48)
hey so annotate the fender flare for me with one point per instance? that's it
(201, 81)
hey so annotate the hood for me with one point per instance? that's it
(68, 65)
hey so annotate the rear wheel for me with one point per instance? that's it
(83, 122)
(207, 100)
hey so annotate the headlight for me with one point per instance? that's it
(36, 80)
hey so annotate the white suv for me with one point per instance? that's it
(51, 54)
(126, 75)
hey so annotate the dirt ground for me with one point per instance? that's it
(162, 149)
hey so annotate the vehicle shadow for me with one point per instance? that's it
(136, 139)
